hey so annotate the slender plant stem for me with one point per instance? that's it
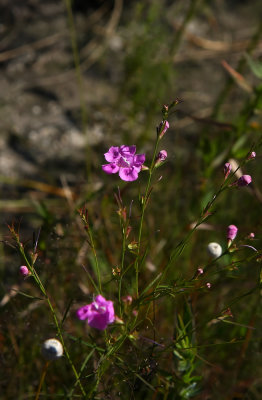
(144, 204)
(90, 235)
(124, 227)
(41, 380)
(180, 247)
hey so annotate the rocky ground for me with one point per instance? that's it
(42, 136)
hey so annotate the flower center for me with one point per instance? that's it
(99, 308)
(124, 162)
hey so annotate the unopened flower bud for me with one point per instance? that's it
(214, 249)
(227, 169)
(24, 271)
(163, 127)
(200, 271)
(244, 180)
(127, 299)
(165, 109)
(252, 155)
(251, 235)
(231, 232)
(208, 285)
(52, 349)
(162, 155)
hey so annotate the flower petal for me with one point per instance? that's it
(113, 154)
(99, 321)
(110, 168)
(111, 311)
(84, 312)
(139, 159)
(128, 174)
(127, 151)
(101, 300)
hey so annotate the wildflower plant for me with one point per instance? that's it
(115, 323)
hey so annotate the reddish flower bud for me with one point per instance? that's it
(252, 155)
(24, 271)
(227, 169)
(127, 299)
(231, 232)
(162, 155)
(163, 127)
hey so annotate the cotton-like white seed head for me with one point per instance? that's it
(52, 349)
(214, 249)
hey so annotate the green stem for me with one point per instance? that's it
(180, 247)
(90, 235)
(122, 267)
(144, 204)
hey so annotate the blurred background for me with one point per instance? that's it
(78, 76)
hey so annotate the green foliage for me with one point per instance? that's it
(148, 69)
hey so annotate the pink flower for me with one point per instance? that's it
(227, 169)
(124, 161)
(163, 127)
(24, 271)
(99, 314)
(244, 180)
(231, 232)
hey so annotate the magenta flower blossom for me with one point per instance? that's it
(24, 271)
(124, 161)
(99, 314)
(227, 169)
(244, 180)
(231, 232)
